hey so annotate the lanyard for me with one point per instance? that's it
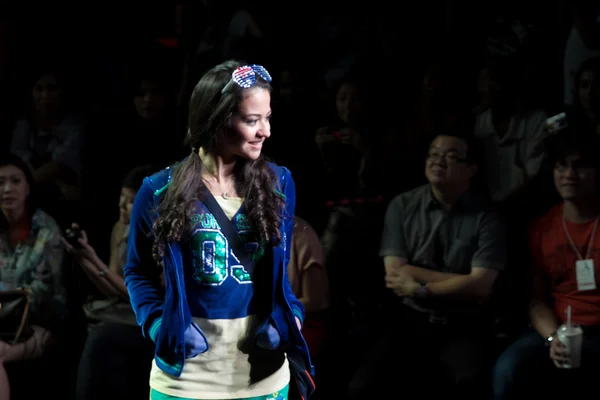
(589, 246)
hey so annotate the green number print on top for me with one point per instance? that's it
(216, 261)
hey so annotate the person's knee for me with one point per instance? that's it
(505, 368)
(524, 353)
(520, 353)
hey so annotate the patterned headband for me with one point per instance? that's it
(245, 76)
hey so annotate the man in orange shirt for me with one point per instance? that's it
(565, 257)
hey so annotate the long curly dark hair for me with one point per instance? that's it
(208, 127)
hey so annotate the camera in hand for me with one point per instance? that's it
(72, 235)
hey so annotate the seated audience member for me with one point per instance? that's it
(146, 114)
(31, 256)
(344, 145)
(585, 110)
(512, 130)
(442, 249)
(306, 271)
(116, 359)
(50, 139)
(565, 258)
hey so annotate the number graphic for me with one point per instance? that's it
(213, 249)
(239, 273)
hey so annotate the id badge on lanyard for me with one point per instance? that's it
(584, 266)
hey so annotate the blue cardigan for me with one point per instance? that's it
(152, 303)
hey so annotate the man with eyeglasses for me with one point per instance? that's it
(442, 249)
(565, 257)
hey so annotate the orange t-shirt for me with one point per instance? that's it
(553, 253)
(307, 253)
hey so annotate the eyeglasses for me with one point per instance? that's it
(245, 76)
(576, 166)
(448, 157)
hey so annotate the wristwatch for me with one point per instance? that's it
(550, 338)
(422, 291)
